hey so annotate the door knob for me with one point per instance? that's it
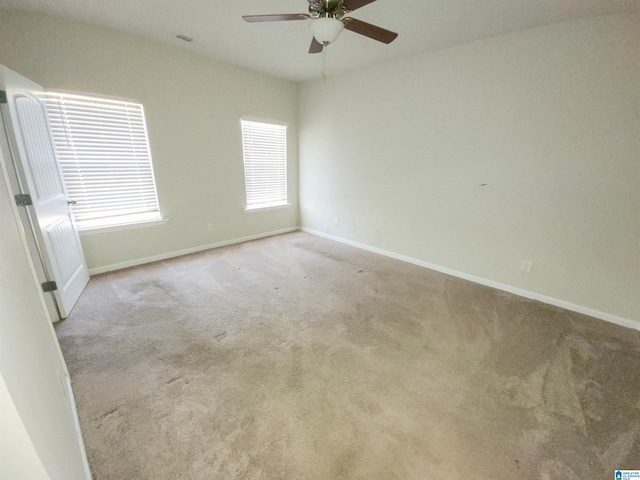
(71, 202)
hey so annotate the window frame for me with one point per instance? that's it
(141, 160)
(276, 204)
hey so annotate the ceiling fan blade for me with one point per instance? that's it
(316, 46)
(278, 17)
(352, 5)
(368, 30)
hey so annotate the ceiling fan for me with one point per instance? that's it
(328, 18)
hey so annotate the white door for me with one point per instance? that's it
(40, 176)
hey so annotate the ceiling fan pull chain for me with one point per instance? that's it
(324, 64)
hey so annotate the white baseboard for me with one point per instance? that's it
(76, 424)
(186, 251)
(483, 281)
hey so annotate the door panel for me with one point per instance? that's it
(47, 185)
(35, 160)
(67, 259)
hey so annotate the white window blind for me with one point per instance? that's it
(265, 164)
(104, 154)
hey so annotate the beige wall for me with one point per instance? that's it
(18, 456)
(548, 118)
(193, 107)
(38, 433)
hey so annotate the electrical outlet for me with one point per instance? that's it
(336, 221)
(526, 266)
(210, 227)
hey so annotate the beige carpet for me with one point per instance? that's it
(296, 357)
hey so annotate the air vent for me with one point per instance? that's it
(186, 38)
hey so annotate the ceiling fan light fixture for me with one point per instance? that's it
(326, 29)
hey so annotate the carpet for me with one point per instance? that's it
(295, 357)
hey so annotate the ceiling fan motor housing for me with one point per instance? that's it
(326, 8)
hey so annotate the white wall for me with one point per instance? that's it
(39, 437)
(193, 107)
(548, 118)
(18, 457)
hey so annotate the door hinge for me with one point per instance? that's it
(3, 96)
(49, 286)
(23, 200)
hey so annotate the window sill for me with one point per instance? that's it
(123, 226)
(266, 207)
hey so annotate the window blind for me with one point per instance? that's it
(265, 164)
(104, 155)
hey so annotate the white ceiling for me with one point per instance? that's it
(280, 49)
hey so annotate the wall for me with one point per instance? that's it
(193, 107)
(17, 454)
(37, 420)
(548, 119)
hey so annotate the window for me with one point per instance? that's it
(104, 155)
(265, 164)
